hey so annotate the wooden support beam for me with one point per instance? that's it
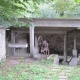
(13, 41)
(75, 50)
(18, 45)
(61, 36)
(52, 22)
(31, 28)
(16, 35)
(36, 42)
(50, 32)
(74, 40)
(45, 32)
(65, 47)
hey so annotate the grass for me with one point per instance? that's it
(39, 70)
(75, 74)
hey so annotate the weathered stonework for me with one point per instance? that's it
(2, 44)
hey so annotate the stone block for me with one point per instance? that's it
(74, 52)
(74, 61)
(55, 58)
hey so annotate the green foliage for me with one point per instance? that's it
(75, 74)
(45, 11)
(11, 10)
(58, 9)
(61, 5)
(46, 62)
(38, 71)
(77, 0)
(66, 8)
(1, 63)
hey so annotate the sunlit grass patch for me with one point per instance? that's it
(40, 70)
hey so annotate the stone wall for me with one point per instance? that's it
(2, 44)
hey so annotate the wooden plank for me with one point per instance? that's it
(50, 32)
(62, 57)
(21, 31)
(45, 32)
(17, 45)
(57, 23)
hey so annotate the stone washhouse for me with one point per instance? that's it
(39, 26)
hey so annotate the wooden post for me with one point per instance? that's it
(36, 42)
(13, 41)
(31, 28)
(65, 47)
(75, 50)
(74, 40)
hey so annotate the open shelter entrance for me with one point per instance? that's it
(47, 26)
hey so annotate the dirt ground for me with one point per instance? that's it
(13, 61)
